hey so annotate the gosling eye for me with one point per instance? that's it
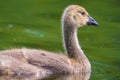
(81, 12)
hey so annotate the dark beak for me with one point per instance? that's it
(92, 21)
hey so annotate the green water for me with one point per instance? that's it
(36, 24)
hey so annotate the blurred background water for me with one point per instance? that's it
(37, 24)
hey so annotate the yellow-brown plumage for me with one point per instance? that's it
(31, 61)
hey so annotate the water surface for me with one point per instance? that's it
(36, 24)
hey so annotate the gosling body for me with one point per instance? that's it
(32, 61)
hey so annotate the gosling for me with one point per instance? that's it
(27, 61)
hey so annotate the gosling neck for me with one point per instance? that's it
(71, 43)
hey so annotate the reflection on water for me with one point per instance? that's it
(35, 33)
(10, 25)
(81, 76)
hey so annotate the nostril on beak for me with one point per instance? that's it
(93, 20)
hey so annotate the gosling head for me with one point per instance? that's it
(77, 16)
